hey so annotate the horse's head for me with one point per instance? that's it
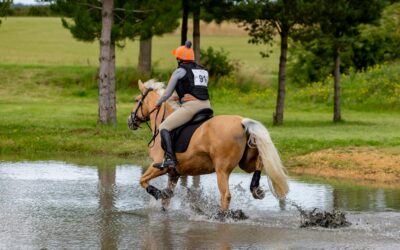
(145, 104)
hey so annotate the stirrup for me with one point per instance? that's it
(162, 165)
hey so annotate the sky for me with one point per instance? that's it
(25, 1)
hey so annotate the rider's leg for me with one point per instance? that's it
(179, 117)
(166, 141)
(176, 119)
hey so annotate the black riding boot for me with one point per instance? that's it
(170, 159)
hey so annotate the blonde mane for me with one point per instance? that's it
(159, 87)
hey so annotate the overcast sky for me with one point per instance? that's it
(25, 1)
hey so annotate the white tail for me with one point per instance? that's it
(276, 172)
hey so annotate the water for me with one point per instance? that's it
(55, 205)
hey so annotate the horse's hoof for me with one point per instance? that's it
(155, 192)
(167, 193)
(222, 215)
(258, 193)
(238, 215)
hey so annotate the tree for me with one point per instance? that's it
(5, 7)
(185, 16)
(213, 10)
(107, 105)
(378, 43)
(265, 18)
(196, 30)
(337, 27)
(156, 18)
(109, 22)
(95, 20)
(194, 7)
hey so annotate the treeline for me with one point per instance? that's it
(373, 43)
(31, 10)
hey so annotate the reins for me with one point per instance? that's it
(156, 131)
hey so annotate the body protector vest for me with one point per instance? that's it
(195, 82)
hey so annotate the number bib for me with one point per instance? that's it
(200, 77)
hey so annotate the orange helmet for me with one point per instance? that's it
(184, 52)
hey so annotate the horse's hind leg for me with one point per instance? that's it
(152, 173)
(167, 193)
(256, 190)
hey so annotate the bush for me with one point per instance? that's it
(379, 43)
(217, 63)
(377, 88)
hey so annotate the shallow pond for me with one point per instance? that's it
(52, 205)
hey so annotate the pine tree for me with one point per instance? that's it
(5, 6)
(264, 19)
(105, 21)
(156, 18)
(185, 16)
(91, 20)
(334, 31)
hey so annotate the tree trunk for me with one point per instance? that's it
(113, 104)
(185, 15)
(280, 99)
(336, 85)
(196, 33)
(144, 65)
(107, 111)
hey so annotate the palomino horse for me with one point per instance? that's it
(218, 145)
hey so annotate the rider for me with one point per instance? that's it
(190, 82)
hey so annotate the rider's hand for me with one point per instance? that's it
(158, 106)
(174, 98)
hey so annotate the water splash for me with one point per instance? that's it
(198, 205)
(317, 217)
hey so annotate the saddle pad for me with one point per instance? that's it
(181, 136)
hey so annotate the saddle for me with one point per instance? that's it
(181, 136)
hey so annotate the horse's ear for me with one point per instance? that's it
(141, 86)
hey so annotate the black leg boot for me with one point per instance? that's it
(170, 159)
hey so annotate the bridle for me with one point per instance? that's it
(136, 121)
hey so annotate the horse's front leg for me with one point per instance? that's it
(152, 173)
(223, 186)
(167, 193)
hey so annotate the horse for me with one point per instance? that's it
(218, 145)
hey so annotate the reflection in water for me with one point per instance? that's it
(108, 225)
(55, 205)
(365, 199)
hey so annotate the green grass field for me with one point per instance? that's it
(48, 100)
(32, 41)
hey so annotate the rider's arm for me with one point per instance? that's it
(178, 74)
